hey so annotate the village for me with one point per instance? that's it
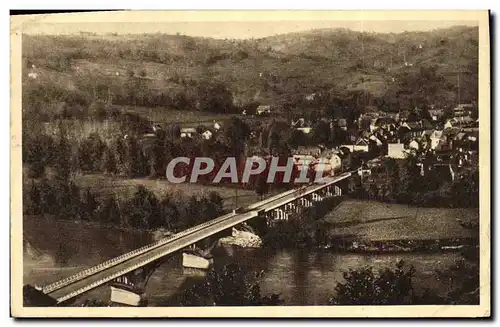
(443, 140)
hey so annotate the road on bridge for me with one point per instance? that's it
(75, 286)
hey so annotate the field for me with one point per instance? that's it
(186, 118)
(107, 185)
(374, 221)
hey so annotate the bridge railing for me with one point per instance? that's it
(128, 255)
(104, 265)
(144, 262)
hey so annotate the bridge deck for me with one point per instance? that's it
(71, 287)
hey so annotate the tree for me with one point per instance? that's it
(62, 155)
(321, 132)
(143, 209)
(38, 152)
(409, 177)
(109, 211)
(236, 132)
(364, 287)
(262, 187)
(109, 162)
(90, 206)
(297, 138)
(214, 96)
(90, 153)
(229, 286)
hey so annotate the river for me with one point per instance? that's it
(57, 249)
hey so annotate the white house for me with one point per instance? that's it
(459, 122)
(305, 130)
(217, 126)
(33, 75)
(311, 96)
(263, 110)
(188, 132)
(360, 145)
(436, 137)
(207, 135)
(396, 150)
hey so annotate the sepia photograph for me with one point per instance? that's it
(250, 164)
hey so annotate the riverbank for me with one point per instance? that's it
(372, 221)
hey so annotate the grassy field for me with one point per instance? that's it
(108, 185)
(372, 221)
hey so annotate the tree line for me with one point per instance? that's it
(63, 199)
(401, 181)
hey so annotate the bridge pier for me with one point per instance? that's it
(130, 288)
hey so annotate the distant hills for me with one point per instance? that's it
(276, 69)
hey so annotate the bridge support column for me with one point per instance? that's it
(309, 202)
(130, 288)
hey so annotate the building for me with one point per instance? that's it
(414, 145)
(188, 132)
(396, 150)
(463, 110)
(217, 126)
(263, 110)
(459, 122)
(207, 135)
(436, 114)
(342, 123)
(436, 138)
(311, 97)
(305, 130)
(361, 144)
(386, 123)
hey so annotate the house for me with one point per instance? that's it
(263, 110)
(403, 115)
(414, 145)
(207, 135)
(414, 129)
(311, 97)
(361, 144)
(436, 114)
(312, 151)
(342, 123)
(462, 110)
(305, 130)
(435, 138)
(396, 150)
(459, 122)
(188, 132)
(33, 75)
(386, 123)
(217, 126)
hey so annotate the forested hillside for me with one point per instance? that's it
(345, 68)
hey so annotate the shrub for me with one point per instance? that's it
(364, 287)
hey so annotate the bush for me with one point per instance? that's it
(229, 286)
(90, 153)
(364, 287)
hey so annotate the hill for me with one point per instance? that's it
(181, 72)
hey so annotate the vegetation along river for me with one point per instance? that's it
(57, 249)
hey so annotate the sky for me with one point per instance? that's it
(237, 26)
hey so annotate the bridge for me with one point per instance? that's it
(138, 265)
